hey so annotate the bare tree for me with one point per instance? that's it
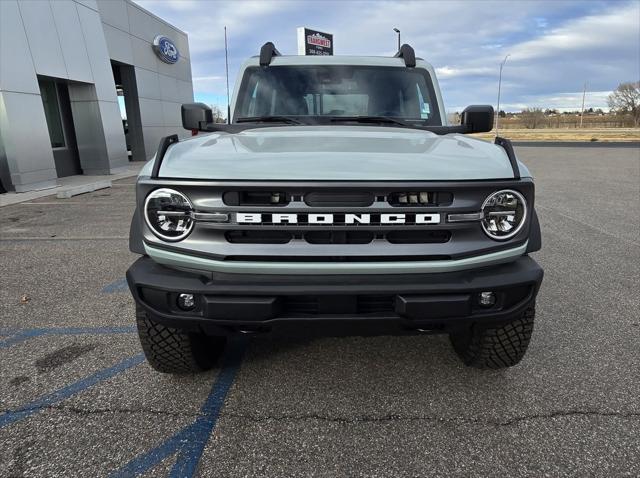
(626, 99)
(218, 117)
(532, 118)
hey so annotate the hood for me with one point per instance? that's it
(334, 153)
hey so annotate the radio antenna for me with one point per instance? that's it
(226, 64)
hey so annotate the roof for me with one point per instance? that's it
(281, 60)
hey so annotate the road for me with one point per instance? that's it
(77, 399)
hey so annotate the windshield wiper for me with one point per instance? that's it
(369, 119)
(268, 119)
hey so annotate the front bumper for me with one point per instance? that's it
(334, 305)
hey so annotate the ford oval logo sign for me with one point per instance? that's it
(165, 49)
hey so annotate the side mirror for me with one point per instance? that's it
(478, 118)
(196, 115)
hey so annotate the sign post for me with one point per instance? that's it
(313, 42)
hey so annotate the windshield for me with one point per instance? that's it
(311, 93)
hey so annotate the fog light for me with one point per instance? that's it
(487, 299)
(186, 301)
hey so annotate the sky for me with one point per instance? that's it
(554, 46)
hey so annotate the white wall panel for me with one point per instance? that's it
(168, 88)
(118, 44)
(180, 70)
(146, 26)
(17, 72)
(148, 84)
(172, 114)
(143, 55)
(152, 135)
(184, 91)
(114, 12)
(89, 3)
(151, 112)
(71, 39)
(113, 134)
(25, 137)
(98, 54)
(43, 39)
(89, 135)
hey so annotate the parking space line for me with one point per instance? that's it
(62, 238)
(190, 442)
(26, 334)
(37, 405)
(119, 285)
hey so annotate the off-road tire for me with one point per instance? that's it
(171, 350)
(495, 348)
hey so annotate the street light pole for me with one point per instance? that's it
(499, 88)
(398, 32)
(584, 93)
(226, 65)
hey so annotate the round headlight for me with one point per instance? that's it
(168, 214)
(504, 214)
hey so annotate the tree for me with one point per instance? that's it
(626, 99)
(532, 118)
(216, 112)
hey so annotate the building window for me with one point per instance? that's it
(49, 95)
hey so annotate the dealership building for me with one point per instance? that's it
(86, 86)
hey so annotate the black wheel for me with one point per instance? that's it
(172, 350)
(494, 348)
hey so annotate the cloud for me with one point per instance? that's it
(445, 72)
(612, 32)
(207, 84)
(207, 78)
(555, 46)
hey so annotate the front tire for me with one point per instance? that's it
(171, 350)
(495, 348)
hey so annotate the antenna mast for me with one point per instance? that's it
(226, 63)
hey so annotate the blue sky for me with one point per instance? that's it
(555, 46)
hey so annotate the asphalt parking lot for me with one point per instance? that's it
(77, 398)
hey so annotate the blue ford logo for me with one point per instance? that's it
(165, 49)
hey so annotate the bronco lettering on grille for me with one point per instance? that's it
(338, 219)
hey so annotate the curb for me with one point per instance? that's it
(578, 144)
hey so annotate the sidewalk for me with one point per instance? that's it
(71, 182)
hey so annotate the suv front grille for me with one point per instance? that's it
(339, 221)
(343, 199)
(337, 237)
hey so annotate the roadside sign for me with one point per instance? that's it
(313, 42)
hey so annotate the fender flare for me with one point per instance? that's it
(535, 235)
(135, 235)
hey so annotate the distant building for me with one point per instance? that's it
(70, 71)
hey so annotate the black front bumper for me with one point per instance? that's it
(335, 305)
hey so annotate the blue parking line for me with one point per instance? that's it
(26, 334)
(189, 442)
(119, 285)
(37, 405)
(201, 430)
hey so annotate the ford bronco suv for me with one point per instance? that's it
(336, 201)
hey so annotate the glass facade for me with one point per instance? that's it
(49, 94)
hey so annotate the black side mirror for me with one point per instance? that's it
(478, 118)
(196, 115)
